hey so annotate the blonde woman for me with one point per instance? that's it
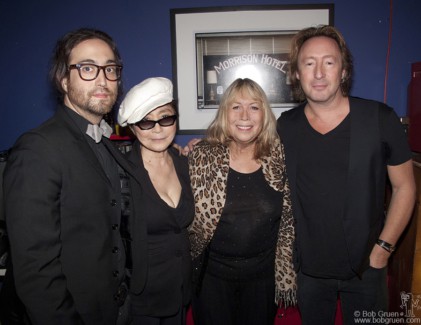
(242, 234)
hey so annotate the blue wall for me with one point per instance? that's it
(141, 28)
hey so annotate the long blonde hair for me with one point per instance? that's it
(218, 131)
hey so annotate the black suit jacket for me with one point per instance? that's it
(63, 221)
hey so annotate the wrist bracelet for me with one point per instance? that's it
(385, 245)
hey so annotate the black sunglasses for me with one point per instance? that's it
(150, 124)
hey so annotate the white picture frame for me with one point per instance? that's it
(186, 23)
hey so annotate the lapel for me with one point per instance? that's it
(292, 143)
(130, 166)
(363, 146)
(140, 174)
(124, 163)
(362, 141)
(128, 162)
(81, 142)
(208, 168)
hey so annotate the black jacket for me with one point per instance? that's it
(63, 222)
(168, 265)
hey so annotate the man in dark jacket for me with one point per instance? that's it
(338, 152)
(62, 194)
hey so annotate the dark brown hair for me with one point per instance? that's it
(65, 45)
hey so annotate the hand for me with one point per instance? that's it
(181, 150)
(379, 257)
(189, 147)
(191, 144)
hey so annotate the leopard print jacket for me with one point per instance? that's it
(208, 167)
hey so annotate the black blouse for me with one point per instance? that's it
(244, 243)
(168, 283)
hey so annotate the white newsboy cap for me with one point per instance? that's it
(143, 98)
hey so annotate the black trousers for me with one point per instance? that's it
(235, 303)
(317, 297)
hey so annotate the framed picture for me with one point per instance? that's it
(211, 47)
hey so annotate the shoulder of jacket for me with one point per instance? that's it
(369, 106)
(204, 147)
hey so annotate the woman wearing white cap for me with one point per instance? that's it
(168, 207)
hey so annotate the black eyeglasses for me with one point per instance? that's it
(150, 124)
(89, 71)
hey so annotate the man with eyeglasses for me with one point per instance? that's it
(69, 241)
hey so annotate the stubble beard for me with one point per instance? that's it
(91, 105)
